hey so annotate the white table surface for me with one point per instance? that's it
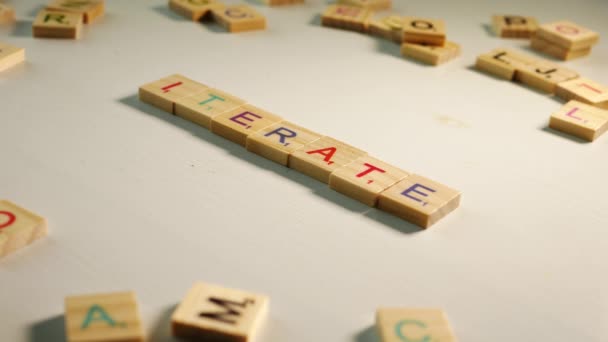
(139, 200)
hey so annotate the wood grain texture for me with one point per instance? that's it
(202, 107)
(283, 2)
(430, 54)
(235, 125)
(194, 9)
(321, 157)
(10, 56)
(514, 26)
(346, 17)
(374, 5)
(584, 90)
(413, 324)
(91, 10)
(544, 76)
(214, 313)
(239, 18)
(424, 31)
(19, 227)
(164, 92)
(7, 14)
(419, 200)
(277, 141)
(580, 120)
(539, 44)
(568, 35)
(103, 317)
(387, 26)
(51, 24)
(365, 178)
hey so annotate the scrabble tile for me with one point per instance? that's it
(374, 5)
(514, 26)
(283, 2)
(7, 14)
(503, 63)
(239, 18)
(365, 178)
(164, 92)
(235, 125)
(584, 90)
(213, 313)
(389, 27)
(409, 324)
(202, 107)
(346, 17)
(277, 141)
(430, 54)
(544, 75)
(423, 31)
(103, 317)
(19, 227)
(49, 24)
(10, 56)
(194, 9)
(557, 51)
(581, 120)
(419, 200)
(90, 10)
(322, 157)
(568, 35)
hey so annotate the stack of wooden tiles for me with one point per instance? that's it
(10, 56)
(564, 40)
(345, 168)
(19, 227)
(234, 18)
(514, 26)
(65, 18)
(425, 40)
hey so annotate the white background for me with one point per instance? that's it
(139, 200)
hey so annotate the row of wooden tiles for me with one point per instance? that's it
(214, 313)
(345, 168)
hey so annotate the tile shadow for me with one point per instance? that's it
(572, 138)
(165, 11)
(22, 28)
(49, 330)
(162, 328)
(367, 335)
(320, 189)
(487, 28)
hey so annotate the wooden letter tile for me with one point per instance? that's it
(551, 49)
(50, 24)
(502, 63)
(544, 75)
(283, 2)
(213, 313)
(581, 120)
(10, 56)
(202, 107)
(514, 26)
(164, 92)
(419, 200)
(18, 227)
(239, 18)
(346, 17)
(584, 90)
(423, 31)
(237, 124)
(430, 54)
(389, 27)
(374, 5)
(91, 10)
(276, 142)
(103, 317)
(400, 325)
(194, 9)
(7, 14)
(321, 157)
(568, 35)
(365, 178)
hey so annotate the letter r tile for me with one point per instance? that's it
(413, 324)
(164, 92)
(278, 141)
(235, 125)
(419, 200)
(214, 313)
(103, 317)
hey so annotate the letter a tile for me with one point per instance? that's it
(409, 325)
(214, 313)
(103, 317)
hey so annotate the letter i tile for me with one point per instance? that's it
(213, 313)
(103, 317)
(202, 107)
(419, 200)
(164, 92)
(410, 325)
(365, 178)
